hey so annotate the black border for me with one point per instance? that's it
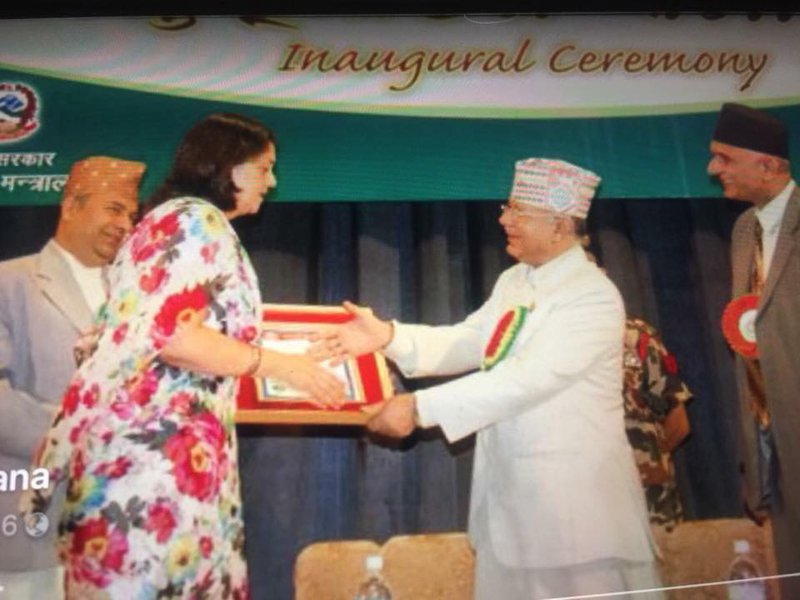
(85, 8)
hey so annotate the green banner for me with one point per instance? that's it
(392, 108)
(326, 156)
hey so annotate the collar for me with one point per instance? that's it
(771, 214)
(556, 269)
(76, 266)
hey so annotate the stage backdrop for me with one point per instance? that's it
(393, 108)
(431, 111)
(435, 262)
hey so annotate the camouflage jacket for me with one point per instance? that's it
(652, 388)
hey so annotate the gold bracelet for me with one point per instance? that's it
(255, 362)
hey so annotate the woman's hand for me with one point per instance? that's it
(199, 348)
(303, 373)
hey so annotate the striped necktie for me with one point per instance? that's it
(755, 378)
(758, 277)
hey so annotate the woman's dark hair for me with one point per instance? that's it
(206, 156)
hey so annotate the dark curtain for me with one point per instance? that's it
(435, 262)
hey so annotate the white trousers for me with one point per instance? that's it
(494, 580)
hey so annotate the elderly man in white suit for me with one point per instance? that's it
(46, 301)
(556, 507)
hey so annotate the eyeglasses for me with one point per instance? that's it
(520, 213)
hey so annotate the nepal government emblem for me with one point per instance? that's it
(19, 111)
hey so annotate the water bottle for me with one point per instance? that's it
(743, 567)
(373, 588)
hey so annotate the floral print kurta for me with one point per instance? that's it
(148, 451)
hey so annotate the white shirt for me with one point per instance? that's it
(770, 216)
(89, 279)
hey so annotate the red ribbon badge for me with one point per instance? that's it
(739, 325)
(503, 337)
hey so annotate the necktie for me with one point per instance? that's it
(755, 378)
(758, 276)
(762, 477)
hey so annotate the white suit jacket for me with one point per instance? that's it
(554, 481)
(42, 312)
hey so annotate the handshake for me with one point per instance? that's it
(364, 333)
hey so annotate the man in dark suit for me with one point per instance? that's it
(750, 157)
(46, 301)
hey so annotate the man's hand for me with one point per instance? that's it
(395, 417)
(363, 334)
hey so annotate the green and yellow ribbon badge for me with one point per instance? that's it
(503, 337)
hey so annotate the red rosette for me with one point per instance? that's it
(739, 325)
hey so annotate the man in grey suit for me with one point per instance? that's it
(750, 156)
(46, 301)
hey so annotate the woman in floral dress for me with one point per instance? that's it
(145, 437)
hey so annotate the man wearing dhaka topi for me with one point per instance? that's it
(556, 505)
(47, 301)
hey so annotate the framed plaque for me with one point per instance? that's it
(287, 328)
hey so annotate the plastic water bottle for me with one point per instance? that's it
(743, 567)
(373, 588)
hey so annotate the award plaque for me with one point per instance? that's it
(287, 328)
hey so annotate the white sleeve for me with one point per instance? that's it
(575, 335)
(423, 350)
